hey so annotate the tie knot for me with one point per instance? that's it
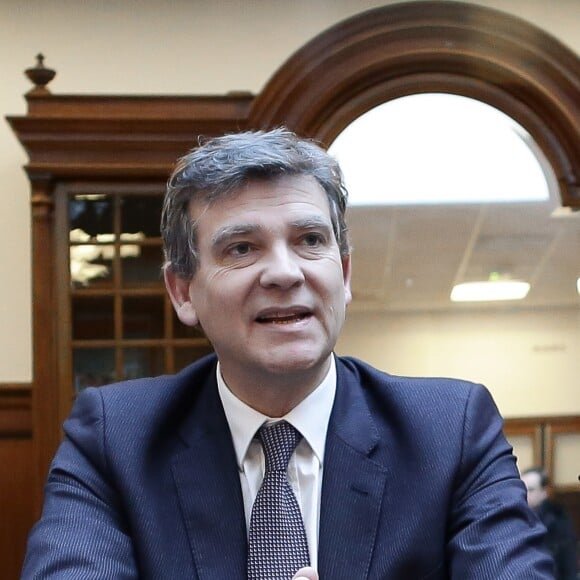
(278, 441)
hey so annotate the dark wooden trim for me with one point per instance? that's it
(559, 420)
(45, 392)
(14, 387)
(433, 46)
(568, 424)
(15, 410)
(100, 137)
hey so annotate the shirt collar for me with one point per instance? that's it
(310, 416)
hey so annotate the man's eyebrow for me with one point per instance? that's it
(228, 232)
(313, 222)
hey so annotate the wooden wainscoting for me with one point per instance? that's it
(16, 476)
(554, 444)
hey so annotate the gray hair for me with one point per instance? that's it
(223, 165)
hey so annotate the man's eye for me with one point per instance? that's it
(240, 249)
(313, 240)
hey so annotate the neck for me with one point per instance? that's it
(274, 394)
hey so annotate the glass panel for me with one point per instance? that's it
(189, 354)
(141, 265)
(141, 214)
(143, 317)
(566, 447)
(91, 265)
(143, 362)
(93, 317)
(93, 367)
(180, 330)
(523, 450)
(455, 138)
(93, 214)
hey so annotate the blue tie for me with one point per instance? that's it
(277, 545)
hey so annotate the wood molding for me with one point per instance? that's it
(515, 423)
(15, 387)
(433, 46)
(69, 136)
(15, 410)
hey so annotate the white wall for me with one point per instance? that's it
(207, 47)
(530, 361)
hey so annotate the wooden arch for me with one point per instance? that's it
(433, 46)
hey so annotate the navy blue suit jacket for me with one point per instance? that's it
(419, 483)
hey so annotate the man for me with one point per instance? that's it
(171, 477)
(560, 538)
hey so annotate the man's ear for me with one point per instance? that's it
(346, 274)
(178, 289)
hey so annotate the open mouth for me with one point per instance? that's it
(283, 319)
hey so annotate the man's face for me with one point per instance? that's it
(536, 493)
(271, 288)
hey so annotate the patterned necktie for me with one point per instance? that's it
(277, 545)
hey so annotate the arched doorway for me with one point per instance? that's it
(437, 46)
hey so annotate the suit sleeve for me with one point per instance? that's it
(493, 533)
(82, 533)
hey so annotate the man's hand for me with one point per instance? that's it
(306, 574)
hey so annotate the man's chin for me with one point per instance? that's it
(296, 363)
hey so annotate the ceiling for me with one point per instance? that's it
(407, 258)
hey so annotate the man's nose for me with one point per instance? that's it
(281, 268)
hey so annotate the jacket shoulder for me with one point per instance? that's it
(145, 404)
(374, 380)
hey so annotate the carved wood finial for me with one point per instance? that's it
(40, 75)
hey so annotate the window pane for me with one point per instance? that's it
(91, 265)
(566, 447)
(180, 330)
(93, 367)
(93, 214)
(93, 318)
(187, 355)
(143, 362)
(452, 138)
(143, 317)
(523, 450)
(141, 265)
(141, 214)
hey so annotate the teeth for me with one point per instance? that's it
(283, 319)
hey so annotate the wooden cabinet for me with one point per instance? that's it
(98, 168)
(117, 320)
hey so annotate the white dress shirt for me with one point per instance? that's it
(310, 418)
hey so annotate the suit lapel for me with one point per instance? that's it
(208, 487)
(352, 487)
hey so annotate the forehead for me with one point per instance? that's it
(286, 195)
